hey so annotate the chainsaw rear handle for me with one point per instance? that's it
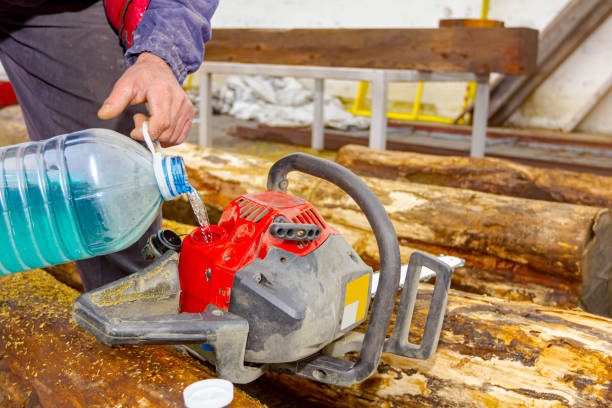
(398, 342)
(390, 264)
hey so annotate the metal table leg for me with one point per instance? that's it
(318, 123)
(378, 125)
(481, 116)
(205, 137)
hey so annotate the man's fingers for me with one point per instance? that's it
(160, 107)
(184, 132)
(139, 119)
(185, 123)
(121, 96)
(151, 80)
(183, 114)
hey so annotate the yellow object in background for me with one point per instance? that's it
(359, 107)
(189, 83)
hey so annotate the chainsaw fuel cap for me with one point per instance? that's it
(214, 393)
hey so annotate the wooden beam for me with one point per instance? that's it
(557, 42)
(589, 106)
(454, 49)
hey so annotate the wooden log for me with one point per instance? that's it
(12, 132)
(482, 274)
(555, 248)
(492, 353)
(68, 273)
(448, 49)
(47, 361)
(558, 239)
(485, 174)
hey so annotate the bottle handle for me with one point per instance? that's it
(158, 163)
(149, 142)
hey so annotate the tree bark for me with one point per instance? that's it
(492, 353)
(48, 361)
(484, 174)
(543, 249)
(551, 237)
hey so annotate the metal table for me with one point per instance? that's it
(378, 77)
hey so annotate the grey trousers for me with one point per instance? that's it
(63, 59)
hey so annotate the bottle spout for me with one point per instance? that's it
(173, 180)
(170, 172)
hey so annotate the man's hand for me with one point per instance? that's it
(151, 80)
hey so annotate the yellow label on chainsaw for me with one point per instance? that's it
(355, 301)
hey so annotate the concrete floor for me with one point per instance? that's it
(224, 130)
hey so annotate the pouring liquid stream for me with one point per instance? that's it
(199, 209)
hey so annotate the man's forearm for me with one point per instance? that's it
(174, 30)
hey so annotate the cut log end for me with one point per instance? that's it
(596, 290)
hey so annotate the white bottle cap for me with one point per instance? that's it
(215, 393)
(169, 172)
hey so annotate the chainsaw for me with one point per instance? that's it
(276, 288)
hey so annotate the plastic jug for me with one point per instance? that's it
(80, 195)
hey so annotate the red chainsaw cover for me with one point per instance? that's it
(7, 95)
(207, 269)
(124, 16)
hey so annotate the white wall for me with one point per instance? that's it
(559, 98)
(376, 13)
(553, 103)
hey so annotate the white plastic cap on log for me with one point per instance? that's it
(214, 393)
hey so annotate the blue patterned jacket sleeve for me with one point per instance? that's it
(174, 30)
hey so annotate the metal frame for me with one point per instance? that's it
(380, 80)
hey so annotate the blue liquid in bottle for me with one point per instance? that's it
(77, 196)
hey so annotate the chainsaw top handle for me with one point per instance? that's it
(388, 247)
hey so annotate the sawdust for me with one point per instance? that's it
(57, 364)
